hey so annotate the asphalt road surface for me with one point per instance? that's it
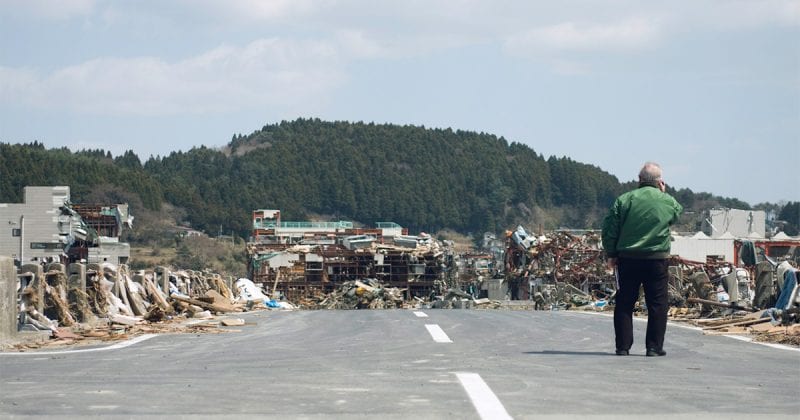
(404, 364)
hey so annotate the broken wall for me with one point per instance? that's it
(698, 249)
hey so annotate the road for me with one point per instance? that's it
(399, 364)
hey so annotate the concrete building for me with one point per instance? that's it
(37, 229)
(45, 227)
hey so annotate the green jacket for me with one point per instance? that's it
(637, 225)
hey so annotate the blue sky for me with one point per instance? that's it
(708, 88)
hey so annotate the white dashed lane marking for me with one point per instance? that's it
(486, 403)
(437, 333)
(420, 314)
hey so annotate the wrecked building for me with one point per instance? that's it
(105, 222)
(46, 227)
(302, 259)
(739, 223)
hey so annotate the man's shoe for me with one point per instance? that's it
(656, 352)
(622, 352)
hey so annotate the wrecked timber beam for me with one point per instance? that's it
(204, 305)
(720, 304)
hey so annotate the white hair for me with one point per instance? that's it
(651, 172)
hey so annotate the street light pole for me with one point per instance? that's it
(21, 240)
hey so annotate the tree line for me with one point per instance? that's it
(424, 179)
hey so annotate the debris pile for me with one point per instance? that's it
(558, 270)
(566, 270)
(761, 300)
(104, 300)
(358, 294)
(301, 271)
(307, 259)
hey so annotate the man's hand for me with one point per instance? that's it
(611, 263)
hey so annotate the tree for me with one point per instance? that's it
(790, 213)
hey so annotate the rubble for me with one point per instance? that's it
(369, 269)
(357, 294)
(566, 270)
(108, 302)
(559, 270)
(301, 261)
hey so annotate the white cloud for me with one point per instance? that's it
(45, 9)
(15, 83)
(264, 72)
(735, 14)
(568, 67)
(256, 10)
(631, 34)
(359, 45)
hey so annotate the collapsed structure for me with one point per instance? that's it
(306, 259)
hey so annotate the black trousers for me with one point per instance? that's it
(653, 275)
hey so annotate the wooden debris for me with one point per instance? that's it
(155, 295)
(59, 306)
(155, 314)
(739, 323)
(212, 306)
(727, 331)
(219, 286)
(79, 305)
(719, 304)
(232, 322)
(763, 327)
(124, 319)
(95, 333)
(65, 334)
(222, 301)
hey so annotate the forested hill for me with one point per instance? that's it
(424, 179)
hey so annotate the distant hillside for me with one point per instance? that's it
(423, 179)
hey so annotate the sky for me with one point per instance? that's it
(710, 89)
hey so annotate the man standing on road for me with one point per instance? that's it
(636, 239)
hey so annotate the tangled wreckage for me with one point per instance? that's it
(334, 265)
(757, 294)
